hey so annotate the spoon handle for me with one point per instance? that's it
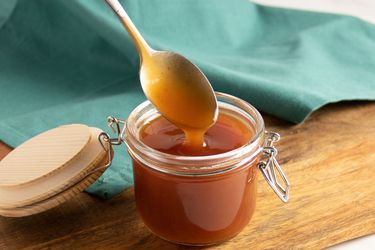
(143, 48)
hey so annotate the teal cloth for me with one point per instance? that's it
(72, 62)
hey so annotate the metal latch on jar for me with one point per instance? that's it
(271, 169)
(104, 138)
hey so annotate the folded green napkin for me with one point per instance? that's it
(72, 62)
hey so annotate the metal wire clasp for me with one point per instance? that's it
(107, 142)
(114, 124)
(270, 168)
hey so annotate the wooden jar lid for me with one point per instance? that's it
(50, 168)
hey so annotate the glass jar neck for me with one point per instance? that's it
(196, 165)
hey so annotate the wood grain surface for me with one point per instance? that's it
(330, 162)
(25, 166)
(74, 168)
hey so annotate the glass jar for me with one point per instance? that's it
(201, 200)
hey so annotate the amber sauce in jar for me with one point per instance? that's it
(196, 210)
(226, 134)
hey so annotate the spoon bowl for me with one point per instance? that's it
(179, 90)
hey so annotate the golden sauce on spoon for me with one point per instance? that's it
(181, 93)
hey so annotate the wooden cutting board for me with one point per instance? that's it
(330, 162)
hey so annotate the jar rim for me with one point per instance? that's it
(210, 164)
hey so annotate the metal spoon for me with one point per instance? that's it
(176, 87)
